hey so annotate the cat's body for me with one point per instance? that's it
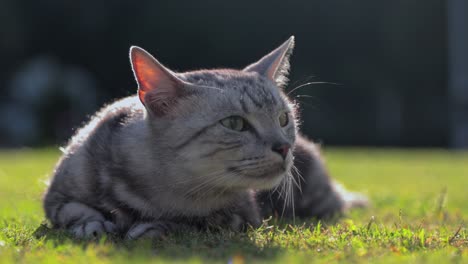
(212, 148)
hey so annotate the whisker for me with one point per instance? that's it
(305, 96)
(207, 180)
(305, 79)
(179, 182)
(226, 187)
(307, 84)
(301, 179)
(285, 190)
(291, 190)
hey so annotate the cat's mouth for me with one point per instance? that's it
(263, 173)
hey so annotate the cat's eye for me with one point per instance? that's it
(283, 119)
(236, 123)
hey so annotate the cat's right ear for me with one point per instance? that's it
(158, 87)
(275, 65)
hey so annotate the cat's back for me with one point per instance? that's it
(106, 124)
(93, 146)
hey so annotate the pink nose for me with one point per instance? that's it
(281, 149)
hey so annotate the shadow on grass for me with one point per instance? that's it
(207, 246)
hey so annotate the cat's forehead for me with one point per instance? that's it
(232, 81)
(245, 91)
(223, 78)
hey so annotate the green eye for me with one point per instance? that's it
(236, 123)
(283, 119)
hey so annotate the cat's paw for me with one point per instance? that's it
(92, 229)
(237, 222)
(147, 230)
(240, 223)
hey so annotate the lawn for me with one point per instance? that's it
(418, 215)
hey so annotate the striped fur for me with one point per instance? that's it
(162, 161)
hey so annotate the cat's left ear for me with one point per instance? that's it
(275, 65)
(158, 87)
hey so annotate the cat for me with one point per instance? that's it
(200, 149)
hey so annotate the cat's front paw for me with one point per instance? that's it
(92, 229)
(237, 222)
(151, 230)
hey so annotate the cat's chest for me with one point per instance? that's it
(174, 203)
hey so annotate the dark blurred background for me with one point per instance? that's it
(396, 71)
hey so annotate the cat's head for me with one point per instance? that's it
(231, 129)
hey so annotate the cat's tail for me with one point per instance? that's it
(350, 199)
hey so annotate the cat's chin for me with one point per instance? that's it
(273, 183)
(267, 181)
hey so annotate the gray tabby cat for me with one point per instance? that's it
(201, 149)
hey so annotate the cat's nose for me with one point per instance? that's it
(281, 148)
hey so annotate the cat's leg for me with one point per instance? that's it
(83, 221)
(236, 221)
(236, 218)
(244, 213)
(159, 229)
(77, 218)
(155, 229)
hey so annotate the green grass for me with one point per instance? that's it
(419, 212)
